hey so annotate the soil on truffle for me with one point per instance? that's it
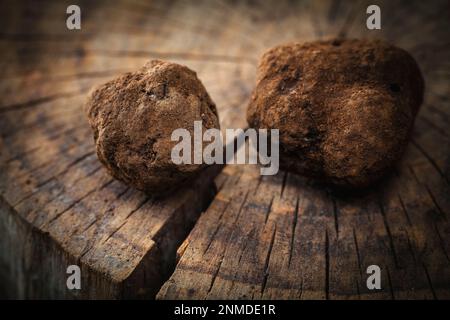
(133, 117)
(344, 108)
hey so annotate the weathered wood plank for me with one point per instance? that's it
(314, 249)
(58, 205)
(313, 243)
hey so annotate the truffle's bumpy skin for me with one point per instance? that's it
(344, 108)
(134, 115)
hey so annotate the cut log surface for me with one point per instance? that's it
(253, 236)
(281, 237)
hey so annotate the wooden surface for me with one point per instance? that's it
(261, 237)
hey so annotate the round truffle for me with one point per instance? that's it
(133, 117)
(344, 108)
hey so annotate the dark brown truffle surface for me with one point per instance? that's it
(344, 108)
(134, 115)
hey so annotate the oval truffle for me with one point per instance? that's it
(344, 108)
(134, 115)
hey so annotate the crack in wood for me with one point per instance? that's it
(269, 209)
(402, 204)
(388, 230)
(441, 241)
(73, 204)
(433, 199)
(39, 101)
(358, 257)
(429, 281)
(410, 248)
(391, 288)
(53, 198)
(294, 226)
(215, 230)
(215, 275)
(43, 183)
(266, 262)
(436, 128)
(125, 220)
(430, 159)
(335, 215)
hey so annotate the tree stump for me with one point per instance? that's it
(279, 237)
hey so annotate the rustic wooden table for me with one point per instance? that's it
(253, 237)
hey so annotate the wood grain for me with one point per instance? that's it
(58, 205)
(283, 237)
(260, 237)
